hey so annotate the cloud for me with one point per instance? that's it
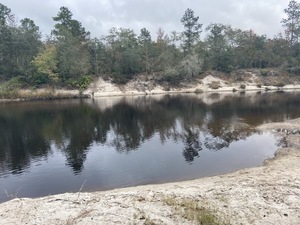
(98, 16)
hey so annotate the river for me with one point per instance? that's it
(55, 147)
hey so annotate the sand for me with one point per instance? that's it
(140, 86)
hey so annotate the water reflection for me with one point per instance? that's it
(27, 130)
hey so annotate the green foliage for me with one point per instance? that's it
(29, 46)
(294, 70)
(73, 59)
(122, 52)
(292, 22)
(66, 23)
(83, 82)
(98, 57)
(129, 62)
(172, 76)
(191, 66)
(10, 88)
(70, 55)
(72, 50)
(5, 14)
(18, 46)
(146, 50)
(192, 29)
(46, 65)
(39, 79)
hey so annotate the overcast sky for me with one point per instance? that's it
(98, 16)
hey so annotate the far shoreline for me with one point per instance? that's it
(94, 91)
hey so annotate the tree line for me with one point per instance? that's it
(69, 56)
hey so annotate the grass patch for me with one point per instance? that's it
(15, 88)
(33, 95)
(192, 211)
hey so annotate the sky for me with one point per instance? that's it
(98, 16)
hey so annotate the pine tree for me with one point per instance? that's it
(192, 30)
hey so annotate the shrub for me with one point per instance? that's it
(120, 79)
(198, 91)
(279, 84)
(214, 85)
(83, 82)
(243, 86)
(172, 76)
(264, 72)
(294, 70)
(39, 79)
(11, 88)
(190, 66)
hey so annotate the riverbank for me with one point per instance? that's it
(210, 82)
(269, 194)
(44, 94)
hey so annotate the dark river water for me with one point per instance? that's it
(66, 146)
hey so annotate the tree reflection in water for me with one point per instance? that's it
(28, 130)
(192, 143)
